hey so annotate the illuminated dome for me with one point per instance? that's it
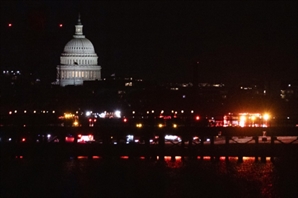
(79, 46)
(78, 62)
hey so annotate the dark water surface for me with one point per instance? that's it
(141, 178)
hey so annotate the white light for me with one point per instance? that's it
(102, 115)
(172, 137)
(242, 121)
(117, 113)
(129, 138)
(88, 113)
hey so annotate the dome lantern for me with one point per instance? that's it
(79, 29)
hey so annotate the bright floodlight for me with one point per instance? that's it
(266, 116)
(253, 117)
(118, 113)
(242, 121)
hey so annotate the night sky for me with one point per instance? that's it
(233, 41)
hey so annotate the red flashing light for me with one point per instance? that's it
(197, 117)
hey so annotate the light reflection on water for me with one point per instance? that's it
(173, 177)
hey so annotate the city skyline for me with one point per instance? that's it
(233, 41)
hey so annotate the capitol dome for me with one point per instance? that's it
(78, 61)
(79, 46)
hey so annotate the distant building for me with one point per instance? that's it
(78, 62)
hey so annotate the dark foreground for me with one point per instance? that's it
(142, 178)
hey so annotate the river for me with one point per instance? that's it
(142, 178)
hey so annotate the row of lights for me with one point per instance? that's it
(10, 25)
(25, 111)
(162, 111)
(140, 125)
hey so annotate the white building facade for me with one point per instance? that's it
(78, 62)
